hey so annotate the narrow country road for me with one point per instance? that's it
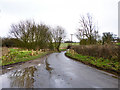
(57, 71)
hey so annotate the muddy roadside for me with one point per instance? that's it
(21, 65)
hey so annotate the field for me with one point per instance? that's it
(118, 43)
(20, 55)
(64, 45)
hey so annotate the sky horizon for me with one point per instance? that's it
(65, 13)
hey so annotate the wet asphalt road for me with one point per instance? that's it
(57, 71)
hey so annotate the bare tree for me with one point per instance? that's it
(58, 35)
(107, 37)
(43, 36)
(31, 35)
(22, 31)
(87, 29)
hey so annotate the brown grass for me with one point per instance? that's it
(0, 51)
(5, 51)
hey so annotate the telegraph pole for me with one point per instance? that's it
(119, 19)
(71, 38)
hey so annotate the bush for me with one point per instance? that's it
(105, 51)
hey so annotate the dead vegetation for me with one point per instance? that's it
(105, 51)
(4, 51)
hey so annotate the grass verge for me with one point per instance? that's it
(99, 63)
(18, 55)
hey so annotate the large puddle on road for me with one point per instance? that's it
(34, 76)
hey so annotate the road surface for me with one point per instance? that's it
(57, 71)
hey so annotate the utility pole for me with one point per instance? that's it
(71, 38)
(119, 19)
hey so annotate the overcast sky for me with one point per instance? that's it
(65, 13)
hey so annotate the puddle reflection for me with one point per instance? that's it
(22, 78)
(30, 77)
(48, 68)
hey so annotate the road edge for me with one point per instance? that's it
(109, 72)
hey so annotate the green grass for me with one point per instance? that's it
(105, 64)
(118, 43)
(62, 49)
(19, 55)
(66, 44)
